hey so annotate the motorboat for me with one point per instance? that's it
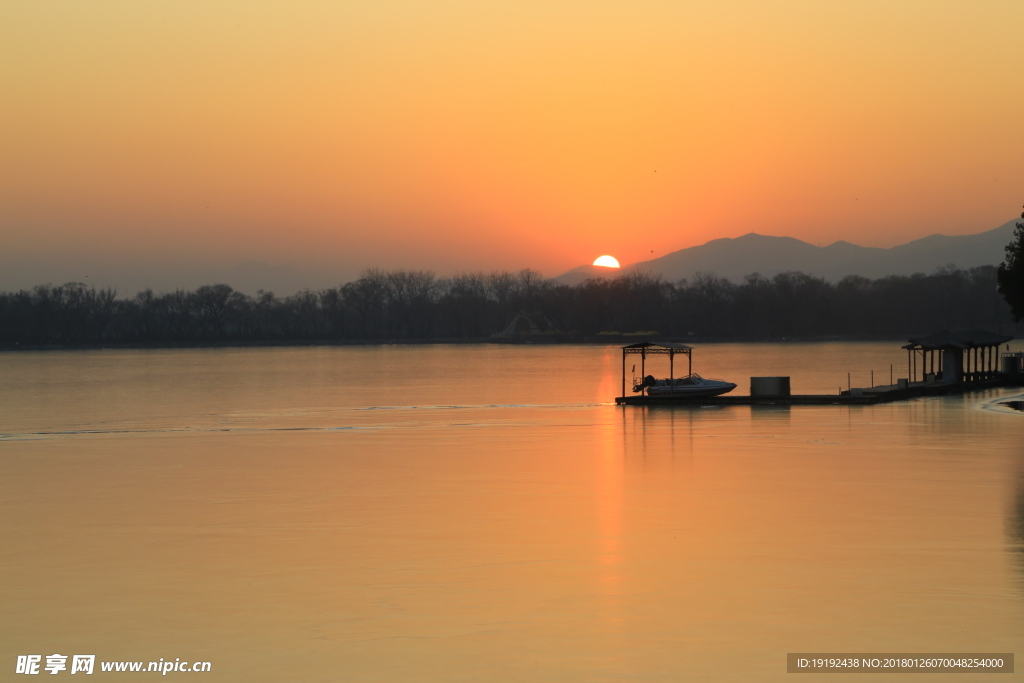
(682, 387)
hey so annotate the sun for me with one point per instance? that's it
(606, 261)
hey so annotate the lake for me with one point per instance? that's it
(479, 512)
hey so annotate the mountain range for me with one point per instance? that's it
(736, 257)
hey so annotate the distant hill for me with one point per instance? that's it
(737, 257)
(588, 272)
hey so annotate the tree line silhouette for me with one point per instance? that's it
(417, 305)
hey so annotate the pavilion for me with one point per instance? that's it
(954, 356)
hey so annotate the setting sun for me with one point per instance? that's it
(606, 261)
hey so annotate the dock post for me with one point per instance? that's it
(643, 372)
(671, 371)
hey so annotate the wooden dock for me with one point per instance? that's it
(866, 396)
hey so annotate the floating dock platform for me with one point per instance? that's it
(854, 397)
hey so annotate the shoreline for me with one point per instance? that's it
(539, 340)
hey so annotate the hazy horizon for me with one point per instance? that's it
(283, 279)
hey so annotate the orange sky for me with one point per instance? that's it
(459, 134)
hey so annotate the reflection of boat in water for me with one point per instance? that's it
(691, 385)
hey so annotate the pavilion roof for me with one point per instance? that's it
(957, 339)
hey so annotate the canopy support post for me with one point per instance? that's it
(623, 373)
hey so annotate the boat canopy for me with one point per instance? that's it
(644, 349)
(671, 348)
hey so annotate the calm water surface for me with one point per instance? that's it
(467, 513)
